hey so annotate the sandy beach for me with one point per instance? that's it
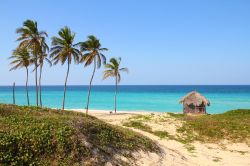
(174, 152)
(125, 83)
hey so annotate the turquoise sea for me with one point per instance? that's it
(159, 98)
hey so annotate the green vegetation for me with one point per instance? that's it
(242, 152)
(162, 134)
(139, 125)
(189, 147)
(176, 115)
(217, 159)
(113, 70)
(143, 118)
(35, 136)
(138, 121)
(232, 125)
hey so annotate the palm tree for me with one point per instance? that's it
(21, 58)
(64, 50)
(113, 70)
(34, 40)
(42, 57)
(93, 54)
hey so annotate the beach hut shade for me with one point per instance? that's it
(194, 102)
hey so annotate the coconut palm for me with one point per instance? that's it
(21, 58)
(42, 58)
(40, 62)
(93, 54)
(113, 70)
(34, 40)
(64, 50)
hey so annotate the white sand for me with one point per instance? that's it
(175, 153)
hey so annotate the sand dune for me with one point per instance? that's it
(174, 152)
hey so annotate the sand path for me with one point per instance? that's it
(174, 152)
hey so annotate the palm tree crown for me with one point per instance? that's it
(31, 37)
(113, 69)
(93, 50)
(64, 49)
(21, 58)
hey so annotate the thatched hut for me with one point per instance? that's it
(194, 102)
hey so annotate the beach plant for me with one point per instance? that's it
(113, 70)
(21, 59)
(34, 40)
(63, 50)
(233, 126)
(53, 137)
(92, 54)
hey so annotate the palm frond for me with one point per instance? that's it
(108, 73)
(32, 39)
(118, 77)
(109, 66)
(124, 69)
(99, 61)
(21, 58)
(63, 47)
(103, 49)
(92, 49)
(113, 69)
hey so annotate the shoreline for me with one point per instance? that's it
(96, 111)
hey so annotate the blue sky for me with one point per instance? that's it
(167, 42)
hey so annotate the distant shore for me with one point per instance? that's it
(96, 111)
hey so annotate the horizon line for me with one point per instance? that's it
(140, 85)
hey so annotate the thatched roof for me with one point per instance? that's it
(194, 98)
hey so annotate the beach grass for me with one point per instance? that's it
(138, 125)
(144, 127)
(233, 126)
(36, 136)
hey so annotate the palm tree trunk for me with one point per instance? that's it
(27, 91)
(115, 91)
(36, 81)
(40, 86)
(90, 84)
(65, 85)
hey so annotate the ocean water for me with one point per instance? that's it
(133, 98)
